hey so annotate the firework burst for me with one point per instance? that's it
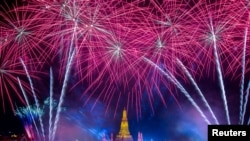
(122, 51)
(10, 69)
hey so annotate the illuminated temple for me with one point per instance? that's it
(124, 134)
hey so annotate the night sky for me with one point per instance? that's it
(88, 116)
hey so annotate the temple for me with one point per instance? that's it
(124, 134)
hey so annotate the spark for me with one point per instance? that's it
(160, 44)
(47, 6)
(21, 33)
(2, 71)
(116, 50)
(167, 23)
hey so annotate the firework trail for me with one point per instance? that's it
(25, 115)
(246, 102)
(241, 119)
(34, 95)
(50, 103)
(198, 89)
(28, 114)
(218, 68)
(63, 91)
(28, 106)
(183, 90)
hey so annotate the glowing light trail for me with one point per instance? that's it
(243, 78)
(34, 95)
(198, 89)
(218, 68)
(51, 103)
(28, 106)
(171, 77)
(63, 91)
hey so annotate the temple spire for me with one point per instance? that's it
(124, 134)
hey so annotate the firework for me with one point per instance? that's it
(23, 33)
(120, 52)
(10, 69)
(29, 115)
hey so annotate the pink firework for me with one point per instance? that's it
(240, 13)
(10, 70)
(108, 54)
(170, 34)
(23, 33)
(214, 36)
(113, 39)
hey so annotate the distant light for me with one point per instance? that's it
(13, 136)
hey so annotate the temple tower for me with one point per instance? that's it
(124, 134)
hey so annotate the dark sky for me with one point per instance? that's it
(10, 123)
